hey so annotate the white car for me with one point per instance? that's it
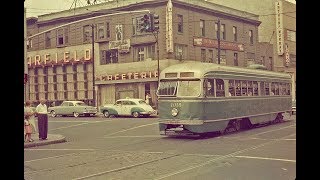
(127, 107)
(73, 108)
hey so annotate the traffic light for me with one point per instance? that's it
(145, 23)
(154, 22)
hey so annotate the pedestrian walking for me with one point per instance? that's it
(42, 112)
(148, 98)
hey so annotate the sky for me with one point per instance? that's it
(39, 7)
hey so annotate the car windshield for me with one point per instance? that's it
(80, 104)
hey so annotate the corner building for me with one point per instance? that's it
(60, 49)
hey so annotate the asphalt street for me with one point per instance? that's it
(129, 148)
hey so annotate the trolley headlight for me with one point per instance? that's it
(174, 112)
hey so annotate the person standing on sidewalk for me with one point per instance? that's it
(28, 112)
(42, 112)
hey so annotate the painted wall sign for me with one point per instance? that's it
(50, 59)
(279, 27)
(213, 43)
(129, 75)
(123, 46)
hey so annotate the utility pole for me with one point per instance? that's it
(93, 68)
(157, 41)
(218, 41)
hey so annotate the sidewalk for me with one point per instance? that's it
(51, 139)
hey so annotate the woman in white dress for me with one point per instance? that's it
(28, 111)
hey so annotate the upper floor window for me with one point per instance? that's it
(119, 32)
(87, 33)
(180, 23)
(203, 55)
(109, 56)
(251, 36)
(142, 53)
(222, 56)
(108, 29)
(210, 57)
(62, 36)
(235, 33)
(223, 31)
(235, 59)
(136, 26)
(291, 35)
(101, 33)
(180, 51)
(202, 27)
(47, 39)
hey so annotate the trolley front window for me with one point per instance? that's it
(189, 88)
(167, 88)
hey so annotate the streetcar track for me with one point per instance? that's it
(220, 158)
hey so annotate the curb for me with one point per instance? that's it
(52, 139)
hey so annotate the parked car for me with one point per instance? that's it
(293, 109)
(127, 107)
(72, 108)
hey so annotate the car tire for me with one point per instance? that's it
(75, 114)
(135, 114)
(53, 114)
(106, 114)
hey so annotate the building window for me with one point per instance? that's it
(180, 23)
(75, 95)
(108, 29)
(251, 36)
(250, 58)
(271, 63)
(222, 56)
(62, 36)
(235, 33)
(216, 29)
(109, 56)
(223, 31)
(75, 77)
(48, 39)
(65, 86)
(203, 55)
(136, 26)
(55, 87)
(291, 35)
(262, 61)
(119, 32)
(202, 27)
(211, 57)
(142, 53)
(75, 86)
(101, 31)
(85, 67)
(55, 78)
(235, 59)
(180, 51)
(29, 44)
(54, 69)
(87, 33)
(64, 69)
(64, 78)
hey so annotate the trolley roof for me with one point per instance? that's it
(201, 70)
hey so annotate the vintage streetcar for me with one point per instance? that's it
(203, 98)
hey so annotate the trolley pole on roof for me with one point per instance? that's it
(218, 37)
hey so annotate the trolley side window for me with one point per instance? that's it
(209, 87)
(244, 90)
(267, 88)
(167, 88)
(238, 88)
(255, 88)
(231, 88)
(220, 88)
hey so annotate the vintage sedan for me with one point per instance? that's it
(127, 107)
(72, 108)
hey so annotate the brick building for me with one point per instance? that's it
(60, 49)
